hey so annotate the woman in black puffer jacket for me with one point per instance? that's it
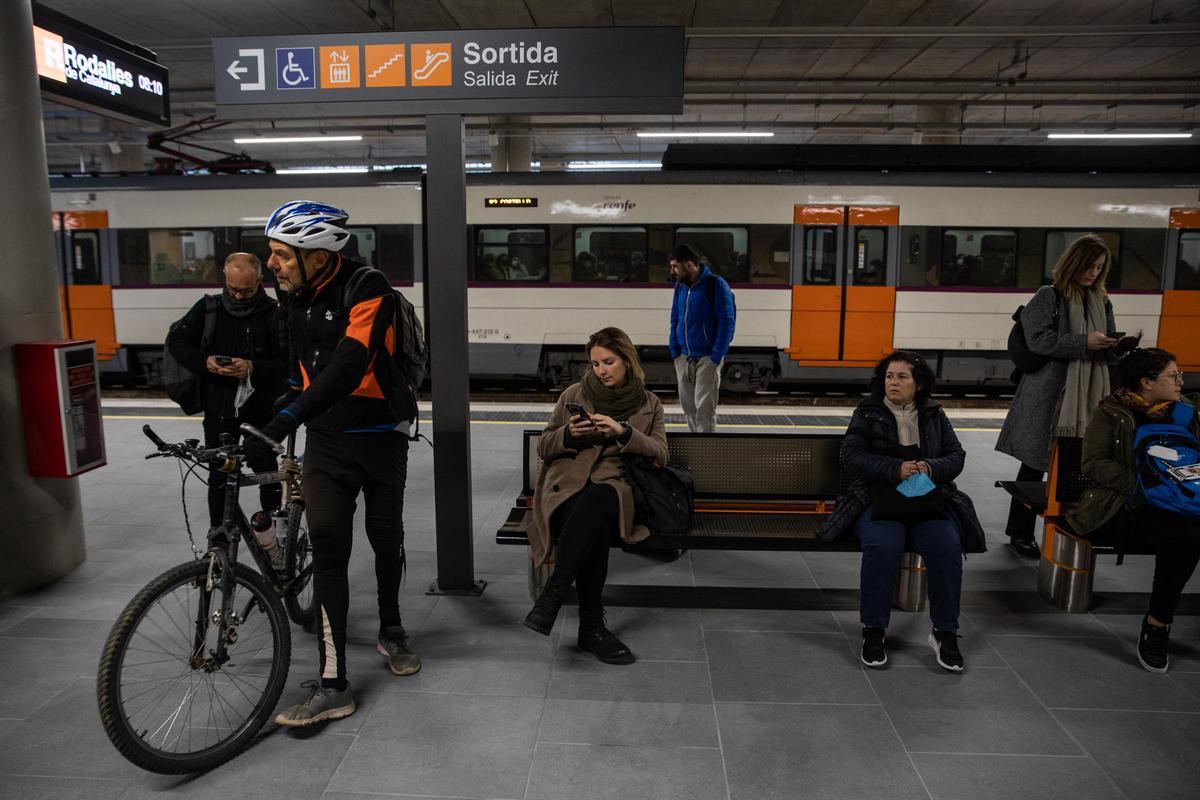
(899, 434)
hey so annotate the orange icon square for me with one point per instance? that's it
(339, 67)
(385, 65)
(431, 64)
(48, 50)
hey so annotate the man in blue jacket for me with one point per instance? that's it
(702, 322)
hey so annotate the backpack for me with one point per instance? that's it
(1170, 484)
(1025, 360)
(184, 386)
(710, 291)
(410, 354)
(662, 496)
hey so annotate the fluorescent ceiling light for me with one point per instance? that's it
(296, 139)
(705, 134)
(595, 165)
(326, 169)
(1118, 136)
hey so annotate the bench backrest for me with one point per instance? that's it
(1071, 481)
(743, 465)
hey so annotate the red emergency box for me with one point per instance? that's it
(60, 403)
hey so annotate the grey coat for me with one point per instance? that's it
(1029, 426)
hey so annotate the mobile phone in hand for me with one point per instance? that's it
(223, 361)
(1117, 335)
(577, 410)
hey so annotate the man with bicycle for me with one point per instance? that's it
(340, 316)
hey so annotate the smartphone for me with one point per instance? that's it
(223, 361)
(577, 410)
(1117, 335)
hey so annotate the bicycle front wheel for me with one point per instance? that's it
(299, 605)
(168, 701)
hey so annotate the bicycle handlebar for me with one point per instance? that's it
(250, 430)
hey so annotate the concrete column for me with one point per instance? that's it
(41, 524)
(939, 114)
(512, 150)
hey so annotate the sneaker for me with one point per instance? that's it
(322, 704)
(873, 654)
(1152, 647)
(945, 648)
(1025, 547)
(401, 659)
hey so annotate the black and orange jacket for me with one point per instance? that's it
(336, 343)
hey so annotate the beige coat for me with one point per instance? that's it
(565, 472)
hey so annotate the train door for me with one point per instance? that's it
(86, 292)
(843, 284)
(1180, 321)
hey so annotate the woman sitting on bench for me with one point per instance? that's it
(1150, 392)
(581, 498)
(901, 456)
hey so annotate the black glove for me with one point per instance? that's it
(280, 428)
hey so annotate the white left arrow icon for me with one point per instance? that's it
(236, 70)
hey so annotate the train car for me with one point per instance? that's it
(829, 271)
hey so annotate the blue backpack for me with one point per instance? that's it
(1166, 483)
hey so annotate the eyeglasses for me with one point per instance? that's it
(241, 294)
(1177, 377)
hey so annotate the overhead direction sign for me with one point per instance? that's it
(83, 67)
(527, 71)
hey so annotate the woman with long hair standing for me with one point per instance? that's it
(1069, 323)
(582, 500)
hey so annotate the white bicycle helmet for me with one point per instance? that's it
(313, 226)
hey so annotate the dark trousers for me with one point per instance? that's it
(584, 525)
(884, 544)
(1176, 541)
(337, 466)
(1020, 519)
(258, 457)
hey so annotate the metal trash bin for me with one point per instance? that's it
(911, 589)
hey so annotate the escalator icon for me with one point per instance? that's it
(431, 64)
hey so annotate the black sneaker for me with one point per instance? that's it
(945, 648)
(873, 654)
(1025, 547)
(1152, 647)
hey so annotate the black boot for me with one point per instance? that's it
(541, 617)
(1025, 546)
(598, 640)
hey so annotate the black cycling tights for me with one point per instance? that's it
(337, 466)
(585, 524)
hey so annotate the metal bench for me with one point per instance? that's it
(1068, 563)
(753, 492)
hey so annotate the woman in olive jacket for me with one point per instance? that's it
(897, 432)
(1151, 385)
(582, 498)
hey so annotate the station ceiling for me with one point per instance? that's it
(810, 71)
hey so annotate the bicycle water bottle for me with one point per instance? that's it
(263, 525)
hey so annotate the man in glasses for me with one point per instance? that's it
(236, 344)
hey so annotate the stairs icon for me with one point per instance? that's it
(375, 73)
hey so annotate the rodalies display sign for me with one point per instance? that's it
(81, 66)
(528, 71)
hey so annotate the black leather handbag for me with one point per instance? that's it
(662, 496)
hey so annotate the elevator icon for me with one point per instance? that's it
(339, 67)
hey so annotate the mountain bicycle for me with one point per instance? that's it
(197, 660)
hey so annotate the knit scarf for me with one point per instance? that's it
(1087, 378)
(618, 402)
(1137, 404)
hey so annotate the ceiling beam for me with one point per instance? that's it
(944, 32)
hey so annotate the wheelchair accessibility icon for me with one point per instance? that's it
(295, 68)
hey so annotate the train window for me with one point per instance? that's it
(394, 252)
(133, 257)
(820, 255)
(1057, 243)
(85, 258)
(724, 249)
(511, 254)
(1187, 262)
(869, 263)
(183, 256)
(361, 245)
(610, 254)
(253, 240)
(978, 257)
(1141, 260)
(770, 253)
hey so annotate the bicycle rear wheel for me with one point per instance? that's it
(300, 606)
(167, 704)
